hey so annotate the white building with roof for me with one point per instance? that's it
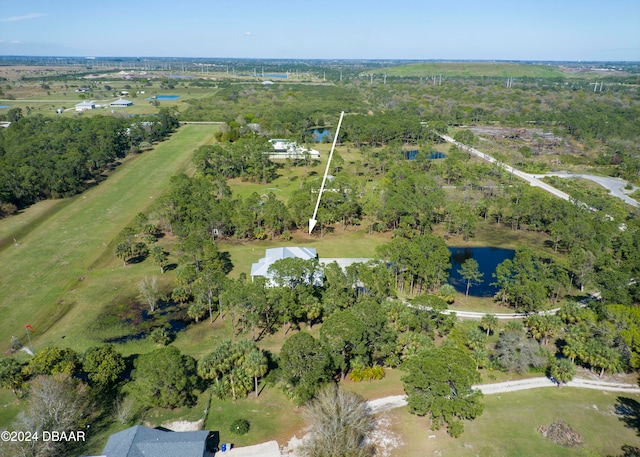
(261, 267)
(288, 149)
(85, 106)
(120, 103)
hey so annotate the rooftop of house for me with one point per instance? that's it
(141, 441)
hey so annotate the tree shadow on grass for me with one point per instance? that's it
(628, 451)
(628, 411)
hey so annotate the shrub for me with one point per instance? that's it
(366, 373)
(160, 336)
(240, 426)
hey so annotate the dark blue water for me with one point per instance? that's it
(411, 155)
(487, 258)
(319, 134)
(272, 75)
(164, 97)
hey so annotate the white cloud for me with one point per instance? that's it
(24, 17)
(248, 34)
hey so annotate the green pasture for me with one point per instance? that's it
(508, 426)
(46, 102)
(474, 69)
(49, 272)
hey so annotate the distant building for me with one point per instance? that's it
(287, 149)
(261, 268)
(141, 441)
(120, 103)
(272, 255)
(85, 106)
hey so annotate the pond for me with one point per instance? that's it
(164, 97)
(488, 259)
(411, 155)
(5, 106)
(319, 134)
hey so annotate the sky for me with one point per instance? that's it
(573, 30)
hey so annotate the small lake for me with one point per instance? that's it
(319, 134)
(5, 106)
(411, 155)
(488, 259)
(272, 75)
(164, 97)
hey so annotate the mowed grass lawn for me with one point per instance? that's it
(54, 258)
(508, 426)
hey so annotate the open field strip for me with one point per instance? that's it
(54, 257)
(473, 69)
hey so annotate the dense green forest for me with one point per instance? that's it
(43, 157)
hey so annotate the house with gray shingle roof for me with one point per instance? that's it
(141, 441)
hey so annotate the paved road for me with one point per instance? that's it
(531, 179)
(614, 185)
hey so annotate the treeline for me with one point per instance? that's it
(281, 110)
(595, 251)
(42, 157)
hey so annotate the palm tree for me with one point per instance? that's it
(562, 370)
(124, 251)
(217, 363)
(489, 323)
(256, 365)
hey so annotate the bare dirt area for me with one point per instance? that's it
(514, 133)
(184, 426)
(540, 141)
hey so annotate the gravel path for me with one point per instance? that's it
(398, 401)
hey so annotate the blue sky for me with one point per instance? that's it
(395, 29)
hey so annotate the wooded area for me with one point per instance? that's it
(368, 317)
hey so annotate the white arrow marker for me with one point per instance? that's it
(313, 221)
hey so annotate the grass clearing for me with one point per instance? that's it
(508, 426)
(46, 275)
(272, 416)
(352, 242)
(10, 406)
(474, 69)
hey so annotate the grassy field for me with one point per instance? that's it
(32, 99)
(508, 426)
(474, 69)
(49, 272)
